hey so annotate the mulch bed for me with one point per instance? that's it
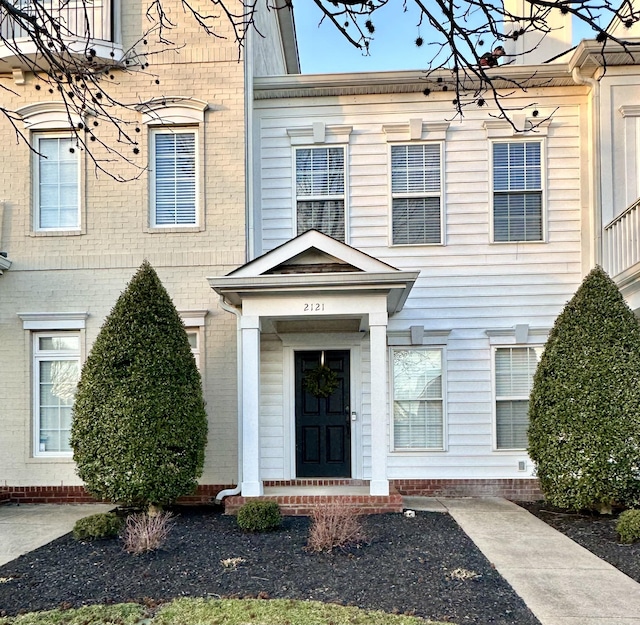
(406, 566)
(594, 532)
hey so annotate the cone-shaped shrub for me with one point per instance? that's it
(139, 427)
(584, 409)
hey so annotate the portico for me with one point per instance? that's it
(314, 293)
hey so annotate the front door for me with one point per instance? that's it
(323, 426)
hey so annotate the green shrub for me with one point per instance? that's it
(139, 423)
(259, 516)
(102, 525)
(628, 526)
(584, 410)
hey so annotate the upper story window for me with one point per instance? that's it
(416, 190)
(514, 370)
(320, 190)
(418, 413)
(517, 191)
(56, 183)
(174, 181)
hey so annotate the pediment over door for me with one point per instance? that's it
(314, 263)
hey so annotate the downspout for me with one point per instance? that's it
(594, 83)
(228, 492)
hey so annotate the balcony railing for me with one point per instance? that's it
(622, 241)
(78, 19)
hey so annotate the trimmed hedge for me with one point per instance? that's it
(96, 526)
(259, 516)
(584, 410)
(628, 526)
(139, 428)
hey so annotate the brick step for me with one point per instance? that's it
(301, 500)
(5, 496)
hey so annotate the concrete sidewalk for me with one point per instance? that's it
(561, 582)
(26, 527)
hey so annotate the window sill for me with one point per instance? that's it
(413, 452)
(173, 229)
(57, 233)
(439, 244)
(49, 459)
(518, 242)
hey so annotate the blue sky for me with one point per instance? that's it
(323, 49)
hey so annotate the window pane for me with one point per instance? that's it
(58, 187)
(416, 220)
(175, 178)
(517, 216)
(326, 216)
(415, 168)
(319, 171)
(57, 375)
(515, 368)
(512, 423)
(417, 393)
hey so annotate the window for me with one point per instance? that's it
(56, 374)
(173, 177)
(320, 191)
(517, 191)
(194, 342)
(417, 399)
(416, 194)
(56, 183)
(514, 369)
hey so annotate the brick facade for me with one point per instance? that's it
(512, 489)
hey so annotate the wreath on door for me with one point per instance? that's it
(321, 381)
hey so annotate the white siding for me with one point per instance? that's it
(469, 285)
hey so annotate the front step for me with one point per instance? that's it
(300, 499)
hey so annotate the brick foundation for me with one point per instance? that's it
(303, 505)
(204, 494)
(512, 489)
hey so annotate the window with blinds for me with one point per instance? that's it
(320, 191)
(416, 190)
(515, 367)
(57, 187)
(517, 191)
(174, 178)
(417, 399)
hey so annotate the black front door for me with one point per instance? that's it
(323, 426)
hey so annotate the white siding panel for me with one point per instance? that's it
(467, 286)
(271, 409)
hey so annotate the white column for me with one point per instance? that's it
(251, 482)
(379, 381)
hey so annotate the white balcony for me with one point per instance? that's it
(621, 258)
(86, 27)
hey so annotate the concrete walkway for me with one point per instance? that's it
(561, 582)
(29, 526)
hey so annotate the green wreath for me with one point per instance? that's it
(321, 381)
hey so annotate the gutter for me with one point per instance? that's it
(594, 83)
(228, 492)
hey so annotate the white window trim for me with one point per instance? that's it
(313, 198)
(37, 228)
(494, 396)
(49, 324)
(194, 322)
(198, 225)
(445, 437)
(440, 195)
(530, 138)
(47, 355)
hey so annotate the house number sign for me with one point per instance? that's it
(313, 307)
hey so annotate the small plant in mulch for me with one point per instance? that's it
(259, 516)
(144, 532)
(628, 526)
(334, 526)
(232, 564)
(97, 526)
(462, 575)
